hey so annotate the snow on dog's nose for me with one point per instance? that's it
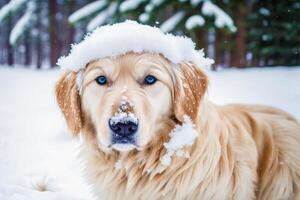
(123, 126)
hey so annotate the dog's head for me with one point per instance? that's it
(128, 98)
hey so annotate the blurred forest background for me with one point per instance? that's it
(236, 33)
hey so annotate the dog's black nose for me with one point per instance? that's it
(124, 129)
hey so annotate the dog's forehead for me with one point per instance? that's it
(131, 62)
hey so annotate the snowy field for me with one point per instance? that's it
(38, 156)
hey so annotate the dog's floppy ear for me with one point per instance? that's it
(190, 87)
(68, 99)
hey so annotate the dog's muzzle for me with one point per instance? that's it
(123, 127)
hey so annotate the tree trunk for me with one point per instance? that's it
(39, 49)
(53, 32)
(71, 7)
(9, 48)
(202, 42)
(202, 39)
(27, 52)
(219, 50)
(238, 52)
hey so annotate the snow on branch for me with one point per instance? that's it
(157, 2)
(172, 22)
(194, 21)
(195, 2)
(222, 19)
(10, 7)
(22, 24)
(130, 5)
(153, 4)
(144, 17)
(102, 17)
(86, 11)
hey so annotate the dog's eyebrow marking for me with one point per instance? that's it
(93, 68)
(155, 66)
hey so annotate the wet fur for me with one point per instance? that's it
(242, 151)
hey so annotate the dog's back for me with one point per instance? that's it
(277, 137)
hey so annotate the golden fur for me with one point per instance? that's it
(242, 151)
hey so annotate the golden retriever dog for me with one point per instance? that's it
(241, 151)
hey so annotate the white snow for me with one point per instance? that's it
(18, 29)
(130, 36)
(149, 170)
(22, 23)
(264, 11)
(180, 137)
(10, 7)
(157, 2)
(36, 148)
(87, 11)
(194, 21)
(118, 165)
(278, 86)
(130, 5)
(149, 7)
(144, 17)
(222, 19)
(101, 18)
(122, 115)
(172, 22)
(195, 2)
(181, 153)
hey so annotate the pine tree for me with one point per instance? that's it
(29, 28)
(39, 49)
(274, 30)
(53, 42)
(186, 16)
(20, 30)
(96, 13)
(198, 19)
(180, 16)
(6, 13)
(237, 46)
(24, 23)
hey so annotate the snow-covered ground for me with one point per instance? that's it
(277, 87)
(35, 148)
(37, 153)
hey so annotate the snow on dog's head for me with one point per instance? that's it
(136, 84)
(130, 36)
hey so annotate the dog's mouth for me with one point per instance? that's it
(123, 142)
(124, 146)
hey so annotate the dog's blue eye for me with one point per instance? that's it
(101, 80)
(149, 80)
